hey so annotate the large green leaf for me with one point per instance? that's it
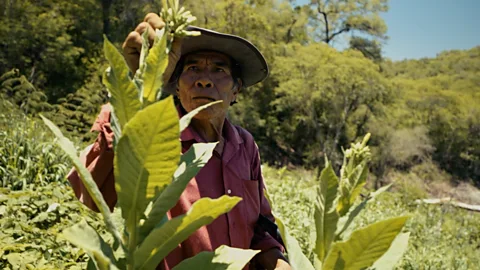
(92, 188)
(161, 241)
(146, 157)
(346, 221)
(365, 246)
(186, 119)
(326, 216)
(124, 95)
(296, 258)
(85, 237)
(190, 164)
(394, 253)
(155, 65)
(224, 258)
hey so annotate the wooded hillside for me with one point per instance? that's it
(316, 100)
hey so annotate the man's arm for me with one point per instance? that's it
(98, 159)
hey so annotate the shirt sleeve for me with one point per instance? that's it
(98, 159)
(262, 240)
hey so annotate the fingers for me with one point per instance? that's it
(131, 50)
(133, 43)
(154, 20)
(144, 26)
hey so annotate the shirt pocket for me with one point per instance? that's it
(251, 200)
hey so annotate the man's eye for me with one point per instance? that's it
(220, 70)
(192, 68)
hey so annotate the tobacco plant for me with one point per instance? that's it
(379, 245)
(150, 174)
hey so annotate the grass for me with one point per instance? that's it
(28, 157)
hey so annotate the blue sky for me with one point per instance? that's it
(423, 28)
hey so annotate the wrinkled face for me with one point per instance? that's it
(207, 77)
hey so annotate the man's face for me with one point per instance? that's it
(207, 77)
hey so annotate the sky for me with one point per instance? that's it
(424, 28)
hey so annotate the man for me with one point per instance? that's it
(203, 69)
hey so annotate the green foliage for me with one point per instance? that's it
(322, 105)
(76, 112)
(365, 245)
(49, 41)
(223, 258)
(441, 95)
(21, 92)
(27, 157)
(30, 222)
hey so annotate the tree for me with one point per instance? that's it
(333, 18)
(50, 41)
(324, 99)
(369, 48)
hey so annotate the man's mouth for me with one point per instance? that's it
(204, 98)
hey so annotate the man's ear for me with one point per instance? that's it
(238, 86)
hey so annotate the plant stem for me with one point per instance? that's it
(132, 244)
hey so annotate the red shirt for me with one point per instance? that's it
(235, 172)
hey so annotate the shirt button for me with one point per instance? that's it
(229, 191)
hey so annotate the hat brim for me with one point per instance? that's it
(253, 65)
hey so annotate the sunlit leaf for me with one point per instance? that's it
(394, 253)
(296, 258)
(155, 65)
(85, 237)
(346, 221)
(147, 156)
(365, 246)
(186, 119)
(223, 258)
(161, 241)
(325, 214)
(190, 164)
(124, 95)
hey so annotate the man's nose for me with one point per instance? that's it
(204, 82)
